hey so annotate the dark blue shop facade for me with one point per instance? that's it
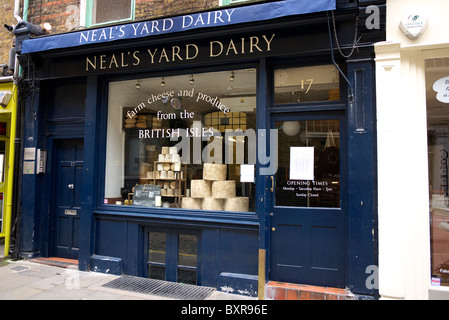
(223, 154)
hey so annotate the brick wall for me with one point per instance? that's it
(7, 16)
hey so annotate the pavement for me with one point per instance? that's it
(30, 280)
(37, 280)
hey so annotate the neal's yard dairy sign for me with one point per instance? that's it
(230, 16)
(213, 49)
(141, 29)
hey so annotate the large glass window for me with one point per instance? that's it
(437, 87)
(306, 84)
(183, 141)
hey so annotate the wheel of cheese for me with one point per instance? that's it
(223, 189)
(213, 171)
(200, 188)
(191, 203)
(130, 121)
(174, 185)
(212, 204)
(236, 204)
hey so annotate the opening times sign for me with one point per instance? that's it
(225, 17)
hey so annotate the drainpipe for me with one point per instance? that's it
(12, 138)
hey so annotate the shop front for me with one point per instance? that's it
(226, 156)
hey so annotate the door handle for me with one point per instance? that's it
(70, 186)
(272, 183)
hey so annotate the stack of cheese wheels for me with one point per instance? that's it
(141, 122)
(214, 192)
(130, 123)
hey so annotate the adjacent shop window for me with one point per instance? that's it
(182, 141)
(106, 11)
(437, 88)
(306, 84)
(308, 163)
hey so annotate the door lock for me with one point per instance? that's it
(70, 186)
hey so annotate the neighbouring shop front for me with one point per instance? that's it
(225, 156)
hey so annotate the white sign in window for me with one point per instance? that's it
(301, 163)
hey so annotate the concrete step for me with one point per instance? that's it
(275, 290)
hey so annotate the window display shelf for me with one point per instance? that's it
(175, 172)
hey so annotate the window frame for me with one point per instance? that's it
(89, 16)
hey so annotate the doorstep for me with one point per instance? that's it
(56, 262)
(275, 290)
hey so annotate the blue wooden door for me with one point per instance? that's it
(67, 186)
(308, 219)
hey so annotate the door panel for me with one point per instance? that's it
(308, 224)
(67, 197)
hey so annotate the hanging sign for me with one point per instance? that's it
(141, 29)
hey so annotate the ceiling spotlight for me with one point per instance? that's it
(138, 85)
(163, 82)
(192, 82)
(232, 76)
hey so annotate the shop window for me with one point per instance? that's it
(108, 11)
(306, 84)
(2, 128)
(181, 141)
(437, 95)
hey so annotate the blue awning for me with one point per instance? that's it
(141, 29)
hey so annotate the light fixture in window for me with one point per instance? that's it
(192, 82)
(232, 76)
(163, 82)
(291, 128)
